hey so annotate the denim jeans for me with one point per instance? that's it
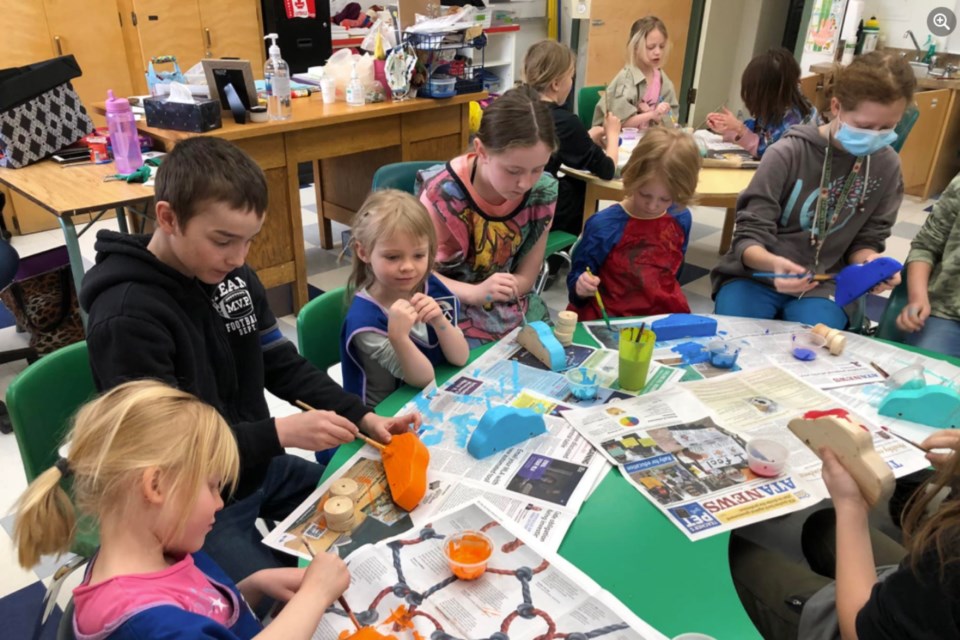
(939, 335)
(235, 543)
(750, 299)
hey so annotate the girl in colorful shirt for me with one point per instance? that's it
(148, 462)
(492, 211)
(634, 249)
(641, 93)
(402, 319)
(770, 89)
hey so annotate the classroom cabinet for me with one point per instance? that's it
(917, 155)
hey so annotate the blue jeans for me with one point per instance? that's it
(939, 335)
(235, 544)
(750, 299)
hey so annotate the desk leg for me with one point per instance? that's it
(73, 252)
(727, 235)
(122, 220)
(326, 230)
(591, 200)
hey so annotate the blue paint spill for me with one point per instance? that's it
(692, 352)
(516, 377)
(430, 435)
(464, 425)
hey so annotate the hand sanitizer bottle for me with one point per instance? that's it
(355, 91)
(277, 74)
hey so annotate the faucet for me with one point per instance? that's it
(909, 34)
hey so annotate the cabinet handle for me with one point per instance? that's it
(209, 42)
(597, 23)
(56, 40)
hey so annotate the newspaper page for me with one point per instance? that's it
(404, 587)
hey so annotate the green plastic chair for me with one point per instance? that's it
(318, 328)
(587, 100)
(558, 243)
(903, 127)
(42, 401)
(887, 329)
(401, 175)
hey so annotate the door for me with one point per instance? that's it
(90, 31)
(610, 31)
(916, 157)
(169, 27)
(231, 29)
(26, 38)
(716, 74)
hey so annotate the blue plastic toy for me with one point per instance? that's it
(683, 325)
(538, 339)
(933, 405)
(856, 280)
(503, 427)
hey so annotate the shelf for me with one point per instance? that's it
(498, 63)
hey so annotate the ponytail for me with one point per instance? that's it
(45, 519)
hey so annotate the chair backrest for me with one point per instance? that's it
(318, 328)
(587, 100)
(9, 263)
(401, 175)
(905, 125)
(887, 329)
(42, 400)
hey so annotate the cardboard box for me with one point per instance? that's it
(198, 117)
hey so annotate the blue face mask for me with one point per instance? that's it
(863, 142)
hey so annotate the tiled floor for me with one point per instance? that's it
(325, 272)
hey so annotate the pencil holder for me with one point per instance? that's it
(635, 352)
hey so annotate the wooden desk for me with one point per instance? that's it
(716, 188)
(69, 192)
(346, 146)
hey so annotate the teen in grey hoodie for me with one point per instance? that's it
(778, 225)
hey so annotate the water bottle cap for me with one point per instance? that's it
(117, 105)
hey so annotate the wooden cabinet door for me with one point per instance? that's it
(90, 31)
(26, 38)
(610, 22)
(916, 157)
(169, 28)
(231, 29)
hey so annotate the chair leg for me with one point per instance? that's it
(542, 278)
(50, 597)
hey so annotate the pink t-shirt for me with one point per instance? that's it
(104, 606)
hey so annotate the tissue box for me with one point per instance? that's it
(202, 115)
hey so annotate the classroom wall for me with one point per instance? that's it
(896, 16)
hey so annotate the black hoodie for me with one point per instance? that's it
(219, 342)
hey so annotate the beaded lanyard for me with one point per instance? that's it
(821, 224)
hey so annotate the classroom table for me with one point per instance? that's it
(716, 187)
(75, 191)
(345, 145)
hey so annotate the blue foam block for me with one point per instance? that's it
(503, 427)
(856, 280)
(558, 358)
(683, 325)
(933, 405)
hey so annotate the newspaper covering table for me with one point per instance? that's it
(403, 587)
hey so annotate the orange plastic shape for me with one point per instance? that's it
(467, 555)
(405, 461)
(367, 633)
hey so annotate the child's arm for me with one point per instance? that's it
(856, 572)
(452, 343)
(416, 367)
(529, 267)
(591, 252)
(914, 315)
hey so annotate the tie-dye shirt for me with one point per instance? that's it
(477, 239)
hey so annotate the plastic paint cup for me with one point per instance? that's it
(629, 133)
(804, 345)
(910, 377)
(693, 636)
(583, 382)
(467, 554)
(635, 358)
(723, 355)
(766, 458)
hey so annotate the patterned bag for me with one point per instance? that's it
(44, 301)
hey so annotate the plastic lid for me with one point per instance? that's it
(872, 23)
(117, 105)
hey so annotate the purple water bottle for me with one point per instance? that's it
(123, 134)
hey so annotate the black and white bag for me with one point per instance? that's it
(40, 112)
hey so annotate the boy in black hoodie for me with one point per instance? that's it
(181, 306)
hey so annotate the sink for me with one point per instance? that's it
(942, 74)
(920, 69)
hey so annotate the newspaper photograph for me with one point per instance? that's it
(406, 587)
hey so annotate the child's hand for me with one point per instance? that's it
(611, 126)
(723, 121)
(841, 485)
(326, 578)
(663, 108)
(315, 430)
(597, 135)
(500, 287)
(792, 286)
(401, 319)
(587, 285)
(643, 107)
(427, 309)
(887, 284)
(913, 316)
(943, 439)
(383, 429)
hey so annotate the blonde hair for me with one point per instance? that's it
(638, 38)
(940, 532)
(383, 214)
(545, 62)
(670, 155)
(133, 427)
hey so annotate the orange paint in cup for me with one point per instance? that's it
(467, 554)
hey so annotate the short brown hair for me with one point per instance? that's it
(639, 31)
(205, 169)
(545, 62)
(670, 155)
(518, 118)
(770, 86)
(879, 76)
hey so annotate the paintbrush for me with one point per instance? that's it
(900, 437)
(603, 309)
(816, 277)
(643, 325)
(341, 600)
(373, 443)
